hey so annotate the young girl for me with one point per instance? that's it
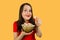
(25, 16)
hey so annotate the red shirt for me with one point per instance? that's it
(27, 37)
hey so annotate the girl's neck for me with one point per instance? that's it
(26, 21)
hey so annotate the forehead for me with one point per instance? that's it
(27, 7)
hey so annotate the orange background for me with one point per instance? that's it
(47, 10)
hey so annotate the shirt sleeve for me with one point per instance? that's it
(15, 26)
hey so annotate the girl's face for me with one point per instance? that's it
(26, 14)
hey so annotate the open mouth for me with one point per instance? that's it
(28, 15)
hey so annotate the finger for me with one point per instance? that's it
(39, 21)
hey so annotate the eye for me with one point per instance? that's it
(29, 10)
(25, 10)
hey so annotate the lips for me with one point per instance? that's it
(28, 15)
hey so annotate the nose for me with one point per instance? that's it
(27, 12)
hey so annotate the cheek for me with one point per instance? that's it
(23, 15)
(30, 14)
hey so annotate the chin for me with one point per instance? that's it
(28, 19)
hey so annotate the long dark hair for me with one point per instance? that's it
(21, 20)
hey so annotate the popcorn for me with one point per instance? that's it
(28, 27)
